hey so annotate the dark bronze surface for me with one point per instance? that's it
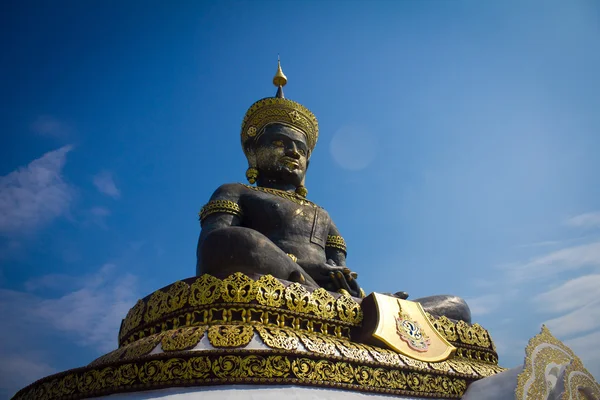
(271, 226)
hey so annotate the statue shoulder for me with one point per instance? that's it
(228, 191)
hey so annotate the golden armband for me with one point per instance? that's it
(337, 242)
(220, 206)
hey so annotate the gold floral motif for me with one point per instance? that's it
(354, 351)
(298, 298)
(483, 370)
(445, 327)
(205, 290)
(278, 338)
(155, 306)
(323, 303)
(133, 319)
(177, 296)
(269, 291)
(193, 369)
(230, 335)
(238, 288)
(162, 303)
(141, 347)
(318, 343)
(384, 356)
(411, 362)
(182, 338)
(474, 334)
(442, 366)
(348, 310)
(460, 366)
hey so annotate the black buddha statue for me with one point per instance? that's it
(271, 228)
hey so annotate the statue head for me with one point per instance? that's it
(286, 123)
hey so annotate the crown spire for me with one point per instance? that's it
(279, 80)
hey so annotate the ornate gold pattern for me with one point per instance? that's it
(444, 326)
(133, 319)
(348, 310)
(279, 110)
(411, 362)
(205, 290)
(220, 206)
(162, 370)
(293, 257)
(337, 242)
(278, 338)
(269, 291)
(323, 303)
(230, 335)
(293, 196)
(460, 366)
(298, 298)
(543, 351)
(161, 303)
(238, 288)
(317, 343)
(182, 338)
(473, 334)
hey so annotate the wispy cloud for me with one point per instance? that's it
(47, 125)
(88, 312)
(567, 259)
(98, 216)
(485, 304)
(574, 293)
(19, 370)
(579, 321)
(105, 184)
(587, 220)
(34, 195)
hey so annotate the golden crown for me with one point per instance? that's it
(278, 109)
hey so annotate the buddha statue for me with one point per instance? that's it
(272, 228)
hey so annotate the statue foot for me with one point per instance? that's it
(452, 307)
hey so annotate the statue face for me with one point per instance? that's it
(282, 154)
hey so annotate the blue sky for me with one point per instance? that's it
(457, 154)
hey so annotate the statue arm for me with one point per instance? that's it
(335, 246)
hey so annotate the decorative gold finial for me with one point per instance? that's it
(279, 79)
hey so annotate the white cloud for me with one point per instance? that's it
(573, 294)
(581, 320)
(89, 313)
(586, 347)
(567, 259)
(483, 305)
(588, 220)
(98, 216)
(93, 312)
(47, 125)
(105, 184)
(32, 196)
(18, 370)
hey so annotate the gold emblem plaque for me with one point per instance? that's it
(403, 326)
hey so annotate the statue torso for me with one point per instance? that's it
(295, 225)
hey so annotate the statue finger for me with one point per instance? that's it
(343, 282)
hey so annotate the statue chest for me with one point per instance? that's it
(284, 219)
